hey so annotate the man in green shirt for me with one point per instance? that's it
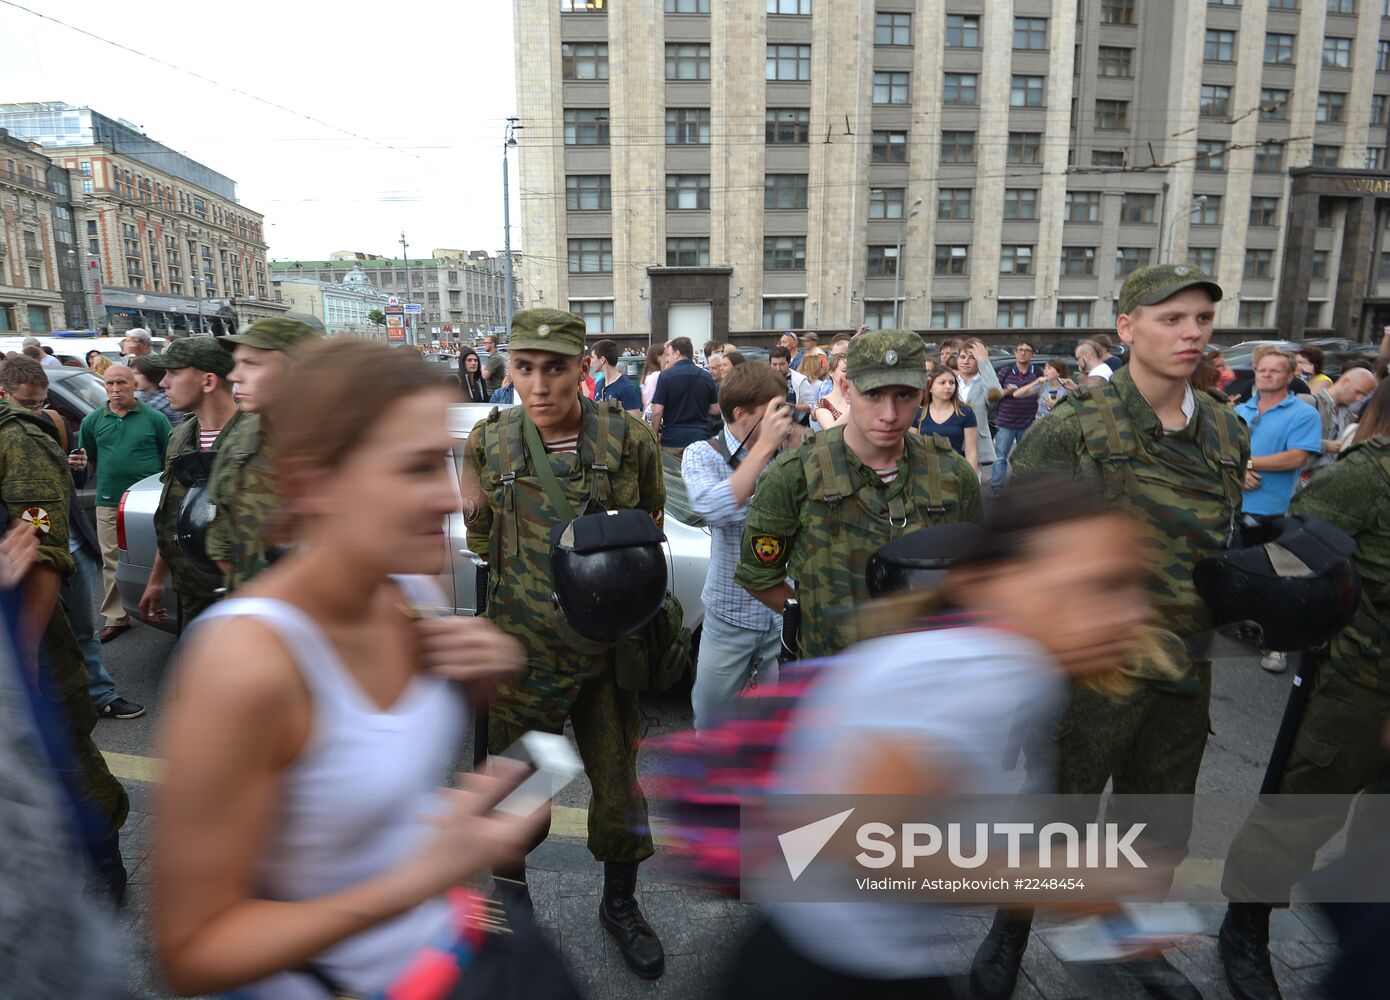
(126, 439)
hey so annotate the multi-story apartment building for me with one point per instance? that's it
(40, 270)
(172, 246)
(345, 307)
(459, 292)
(740, 165)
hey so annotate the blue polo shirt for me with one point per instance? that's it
(623, 391)
(686, 392)
(1289, 424)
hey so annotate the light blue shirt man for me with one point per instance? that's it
(1283, 427)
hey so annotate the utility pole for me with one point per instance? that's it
(898, 264)
(405, 254)
(509, 281)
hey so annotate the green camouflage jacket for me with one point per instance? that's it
(1185, 487)
(512, 531)
(194, 585)
(242, 489)
(1354, 494)
(819, 513)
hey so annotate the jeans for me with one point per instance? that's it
(1005, 438)
(78, 594)
(729, 657)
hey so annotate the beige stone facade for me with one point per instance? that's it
(1055, 144)
(34, 240)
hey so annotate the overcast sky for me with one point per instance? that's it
(432, 79)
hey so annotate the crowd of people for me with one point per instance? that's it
(304, 845)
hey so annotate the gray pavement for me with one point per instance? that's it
(701, 929)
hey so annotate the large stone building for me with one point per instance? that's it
(40, 279)
(735, 165)
(460, 293)
(171, 245)
(345, 307)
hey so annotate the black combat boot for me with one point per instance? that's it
(620, 916)
(1161, 980)
(1244, 946)
(994, 972)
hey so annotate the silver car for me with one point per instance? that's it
(687, 540)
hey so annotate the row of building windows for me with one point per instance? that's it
(779, 313)
(788, 253)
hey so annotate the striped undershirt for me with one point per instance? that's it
(207, 437)
(889, 474)
(569, 444)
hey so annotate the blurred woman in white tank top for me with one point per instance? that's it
(314, 713)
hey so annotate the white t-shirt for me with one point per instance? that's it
(1101, 370)
(958, 691)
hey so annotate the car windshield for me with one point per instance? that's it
(677, 499)
(85, 385)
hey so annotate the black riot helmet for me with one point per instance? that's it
(193, 469)
(1294, 578)
(609, 574)
(918, 561)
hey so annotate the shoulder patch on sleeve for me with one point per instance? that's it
(767, 549)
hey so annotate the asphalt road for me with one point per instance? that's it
(701, 930)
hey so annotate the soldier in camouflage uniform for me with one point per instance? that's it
(1339, 748)
(821, 510)
(242, 486)
(196, 384)
(614, 463)
(1176, 459)
(37, 490)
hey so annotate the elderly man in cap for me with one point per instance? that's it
(137, 343)
(242, 485)
(1176, 459)
(48, 360)
(527, 469)
(821, 511)
(196, 384)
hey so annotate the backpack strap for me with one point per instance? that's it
(610, 430)
(1224, 454)
(511, 461)
(827, 472)
(1101, 415)
(924, 456)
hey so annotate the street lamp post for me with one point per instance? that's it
(898, 262)
(509, 280)
(1197, 203)
(405, 255)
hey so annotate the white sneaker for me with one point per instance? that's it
(1275, 663)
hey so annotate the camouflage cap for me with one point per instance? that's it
(550, 330)
(277, 334)
(203, 353)
(887, 357)
(1148, 286)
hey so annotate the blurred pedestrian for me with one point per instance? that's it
(808, 343)
(931, 711)
(195, 377)
(815, 367)
(684, 400)
(471, 377)
(46, 356)
(943, 413)
(92, 357)
(1226, 374)
(652, 367)
(801, 394)
(1308, 364)
(715, 364)
(494, 372)
(101, 363)
(1091, 363)
(741, 639)
(832, 409)
(147, 390)
(137, 343)
(304, 847)
(243, 484)
(733, 358)
(126, 440)
(1018, 384)
(820, 529)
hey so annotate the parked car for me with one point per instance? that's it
(687, 540)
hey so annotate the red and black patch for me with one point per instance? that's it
(767, 549)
